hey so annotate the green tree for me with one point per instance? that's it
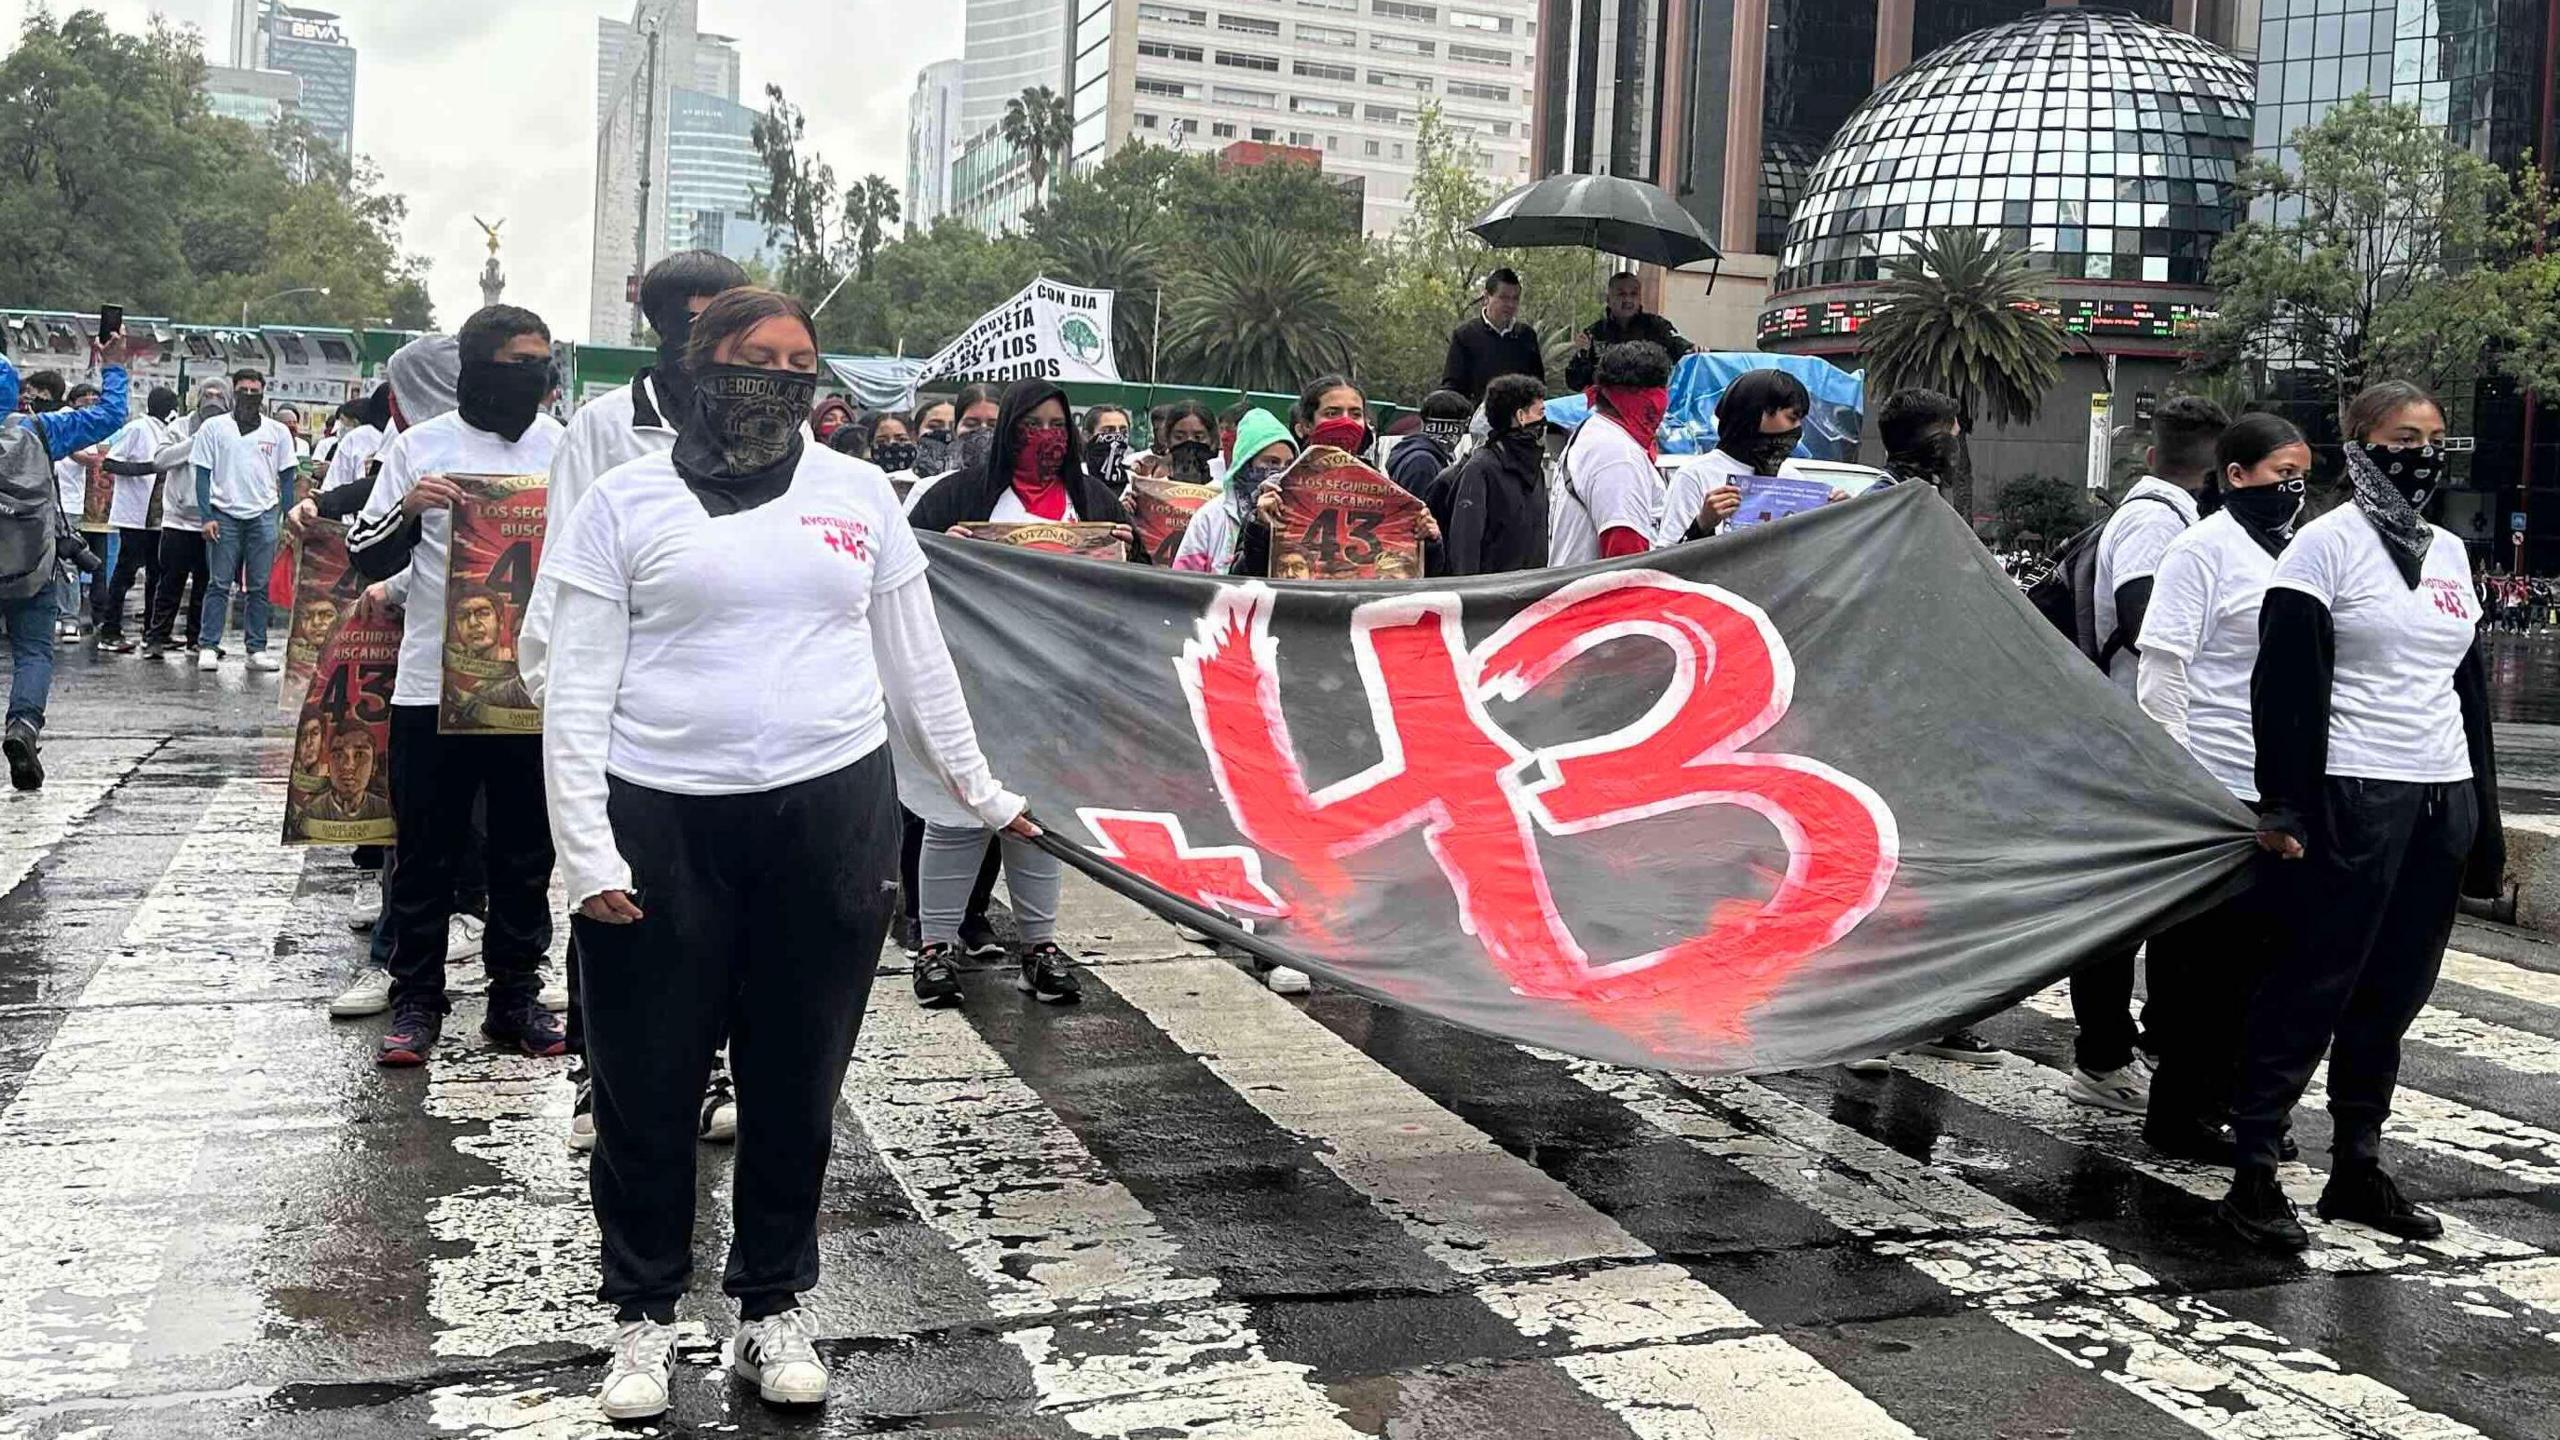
(2388, 251)
(1038, 124)
(1962, 313)
(1260, 311)
(798, 204)
(870, 207)
(1109, 228)
(925, 288)
(2043, 510)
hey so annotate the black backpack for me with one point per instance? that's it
(2067, 592)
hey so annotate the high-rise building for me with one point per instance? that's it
(308, 45)
(256, 97)
(1007, 47)
(933, 135)
(1342, 78)
(671, 142)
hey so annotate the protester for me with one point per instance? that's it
(1419, 458)
(831, 415)
(1229, 420)
(2199, 648)
(132, 459)
(1106, 445)
(2378, 793)
(351, 470)
(498, 428)
(977, 407)
(1227, 535)
(933, 438)
(36, 537)
(1626, 320)
(889, 441)
(1923, 435)
(1493, 507)
(1333, 411)
(182, 544)
(1494, 342)
(1759, 423)
(77, 596)
(245, 464)
(1611, 498)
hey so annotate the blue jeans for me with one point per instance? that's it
(252, 542)
(29, 623)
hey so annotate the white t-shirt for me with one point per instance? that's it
(1689, 490)
(2204, 611)
(2129, 549)
(245, 469)
(1009, 510)
(442, 446)
(1613, 487)
(2393, 714)
(71, 487)
(136, 444)
(357, 446)
(750, 663)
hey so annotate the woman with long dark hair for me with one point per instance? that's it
(741, 625)
(2377, 791)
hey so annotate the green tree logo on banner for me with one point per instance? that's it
(1081, 340)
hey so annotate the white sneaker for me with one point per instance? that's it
(635, 1384)
(1281, 980)
(370, 995)
(466, 940)
(554, 997)
(780, 1355)
(365, 910)
(719, 1122)
(264, 660)
(582, 1116)
(208, 659)
(2125, 1090)
(1872, 1065)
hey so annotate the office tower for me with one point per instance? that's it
(933, 134)
(308, 45)
(672, 142)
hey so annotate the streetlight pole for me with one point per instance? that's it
(247, 305)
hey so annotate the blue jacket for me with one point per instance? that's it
(68, 432)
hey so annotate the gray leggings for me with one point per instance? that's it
(949, 868)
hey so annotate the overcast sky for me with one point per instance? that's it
(488, 107)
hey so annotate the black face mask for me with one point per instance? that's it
(2266, 511)
(1940, 459)
(1765, 452)
(1102, 454)
(743, 441)
(970, 451)
(502, 396)
(894, 455)
(933, 452)
(2413, 470)
(1191, 462)
(248, 411)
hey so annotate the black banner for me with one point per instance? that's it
(1807, 793)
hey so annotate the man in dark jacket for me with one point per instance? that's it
(1419, 457)
(1493, 508)
(1626, 320)
(1497, 342)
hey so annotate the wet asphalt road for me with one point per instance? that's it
(1185, 1208)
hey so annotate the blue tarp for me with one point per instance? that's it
(1830, 432)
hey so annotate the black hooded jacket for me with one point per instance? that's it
(1492, 507)
(970, 497)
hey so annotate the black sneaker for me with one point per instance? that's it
(582, 1112)
(2258, 1212)
(978, 938)
(937, 978)
(116, 643)
(529, 1028)
(910, 936)
(719, 1122)
(26, 763)
(2368, 1196)
(1046, 976)
(415, 1028)
(1964, 1047)
(2190, 1139)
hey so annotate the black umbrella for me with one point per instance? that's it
(1599, 212)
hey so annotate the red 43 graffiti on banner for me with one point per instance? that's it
(1813, 792)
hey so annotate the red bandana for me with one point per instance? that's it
(1638, 411)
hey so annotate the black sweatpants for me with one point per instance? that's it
(2102, 1008)
(434, 781)
(762, 920)
(2364, 919)
(182, 565)
(137, 553)
(2204, 975)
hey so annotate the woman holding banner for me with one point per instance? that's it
(1227, 536)
(741, 623)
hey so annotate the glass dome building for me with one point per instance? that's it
(2102, 145)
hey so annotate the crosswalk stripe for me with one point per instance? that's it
(104, 1138)
(79, 775)
(1640, 1330)
(2183, 1355)
(1047, 1229)
(2499, 977)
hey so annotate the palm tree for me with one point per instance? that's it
(870, 208)
(1038, 124)
(1125, 260)
(1261, 311)
(1963, 313)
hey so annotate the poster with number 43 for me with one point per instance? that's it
(496, 551)
(1341, 520)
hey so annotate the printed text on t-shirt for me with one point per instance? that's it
(850, 538)
(2450, 598)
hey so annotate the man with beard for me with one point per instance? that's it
(641, 418)
(498, 428)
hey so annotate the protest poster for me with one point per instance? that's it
(1047, 332)
(1341, 520)
(1160, 510)
(325, 587)
(1656, 811)
(1087, 540)
(97, 496)
(496, 551)
(1766, 498)
(340, 787)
